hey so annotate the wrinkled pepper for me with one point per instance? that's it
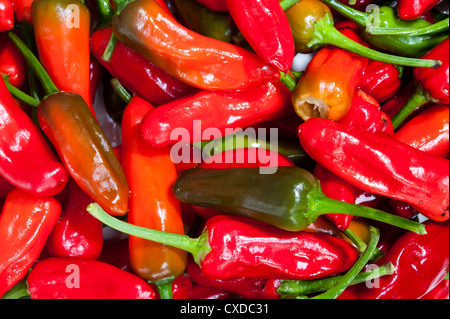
(136, 73)
(381, 80)
(150, 174)
(290, 198)
(422, 259)
(220, 110)
(328, 85)
(6, 16)
(264, 251)
(25, 223)
(28, 163)
(380, 164)
(62, 29)
(264, 25)
(199, 61)
(431, 87)
(11, 62)
(69, 278)
(428, 131)
(76, 234)
(414, 9)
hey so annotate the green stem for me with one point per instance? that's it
(348, 12)
(420, 97)
(165, 287)
(306, 287)
(106, 13)
(19, 291)
(121, 90)
(286, 4)
(360, 244)
(198, 247)
(320, 204)
(440, 26)
(18, 94)
(288, 81)
(107, 55)
(325, 33)
(35, 65)
(346, 280)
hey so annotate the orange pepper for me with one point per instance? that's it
(62, 33)
(327, 88)
(150, 173)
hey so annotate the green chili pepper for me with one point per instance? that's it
(290, 199)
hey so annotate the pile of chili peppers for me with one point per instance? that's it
(348, 186)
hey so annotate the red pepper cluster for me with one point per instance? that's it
(91, 104)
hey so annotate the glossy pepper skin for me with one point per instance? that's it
(76, 234)
(6, 16)
(25, 223)
(255, 240)
(421, 259)
(380, 164)
(219, 110)
(197, 60)
(264, 25)
(84, 149)
(11, 62)
(380, 80)
(414, 9)
(150, 174)
(428, 131)
(68, 278)
(63, 44)
(136, 73)
(29, 163)
(328, 85)
(22, 9)
(216, 5)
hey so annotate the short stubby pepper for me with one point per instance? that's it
(414, 9)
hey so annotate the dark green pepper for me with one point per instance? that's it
(386, 17)
(290, 199)
(213, 24)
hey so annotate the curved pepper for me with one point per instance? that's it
(264, 25)
(421, 259)
(380, 80)
(167, 124)
(11, 62)
(28, 163)
(76, 234)
(380, 164)
(328, 85)
(414, 9)
(137, 74)
(6, 16)
(150, 174)
(69, 278)
(431, 87)
(428, 131)
(62, 29)
(200, 61)
(25, 223)
(264, 251)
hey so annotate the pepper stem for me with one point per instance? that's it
(420, 97)
(325, 33)
(34, 64)
(354, 15)
(18, 94)
(121, 90)
(198, 247)
(286, 4)
(109, 50)
(165, 287)
(346, 280)
(289, 288)
(106, 13)
(440, 26)
(319, 204)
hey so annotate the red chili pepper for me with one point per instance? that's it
(22, 9)
(216, 5)
(414, 9)
(428, 131)
(69, 278)
(95, 76)
(402, 209)
(381, 80)
(150, 173)
(11, 62)
(5, 188)
(380, 164)
(181, 287)
(200, 61)
(6, 16)
(265, 26)
(203, 292)
(441, 291)
(27, 161)
(25, 223)
(139, 75)
(220, 110)
(77, 234)
(421, 259)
